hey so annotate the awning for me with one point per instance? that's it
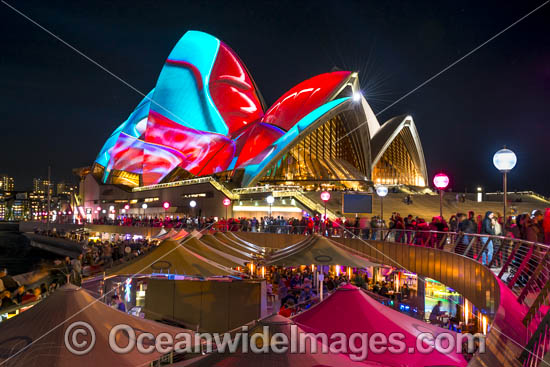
(316, 250)
(214, 242)
(198, 247)
(36, 337)
(237, 244)
(276, 324)
(171, 258)
(349, 310)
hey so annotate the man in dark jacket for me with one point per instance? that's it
(10, 284)
(487, 229)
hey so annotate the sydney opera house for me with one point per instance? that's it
(206, 121)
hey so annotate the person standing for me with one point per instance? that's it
(488, 229)
(435, 315)
(546, 226)
(76, 265)
(8, 282)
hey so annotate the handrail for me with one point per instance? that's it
(231, 195)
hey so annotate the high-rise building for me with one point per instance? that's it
(6, 183)
(64, 188)
(2, 207)
(40, 186)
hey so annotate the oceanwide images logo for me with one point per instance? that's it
(80, 338)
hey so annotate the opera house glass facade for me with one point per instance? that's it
(206, 117)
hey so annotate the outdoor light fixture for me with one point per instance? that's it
(357, 96)
(270, 200)
(127, 207)
(441, 181)
(165, 205)
(325, 196)
(382, 191)
(226, 202)
(192, 203)
(479, 194)
(144, 206)
(505, 160)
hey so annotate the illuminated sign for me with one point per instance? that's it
(208, 194)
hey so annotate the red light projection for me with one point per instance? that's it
(193, 147)
(127, 154)
(255, 140)
(304, 98)
(233, 91)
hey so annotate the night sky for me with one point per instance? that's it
(58, 108)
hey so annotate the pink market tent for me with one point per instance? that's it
(167, 235)
(275, 324)
(36, 337)
(180, 235)
(349, 310)
(161, 233)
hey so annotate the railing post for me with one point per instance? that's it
(480, 253)
(534, 276)
(441, 243)
(539, 301)
(510, 259)
(533, 344)
(521, 267)
(472, 242)
(497, 252)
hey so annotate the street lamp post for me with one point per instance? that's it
(144, 206)
(441, 181)
(192, 205)
(325, 196)
(226, 202)
(166, 206)
(270, 200)
(505, 160)
(382, 191)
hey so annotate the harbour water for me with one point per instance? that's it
(16, 253)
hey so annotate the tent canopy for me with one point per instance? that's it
(200, 248)
(41, 330)
(215, 243)
(316, 250)
(236, 243)
(275, 324)
(172, 258)
(350, 310)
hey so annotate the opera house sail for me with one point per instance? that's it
(206, 117)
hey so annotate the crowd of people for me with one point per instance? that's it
(533, 227)
(295, 289)
(103, 254)
(12, 293)
(156, 221)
